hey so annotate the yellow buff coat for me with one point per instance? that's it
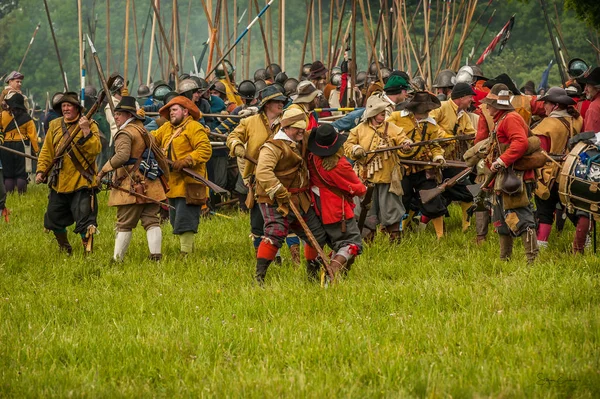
(448, 117)
(190, 140)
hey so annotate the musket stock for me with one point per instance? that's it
(428, 195)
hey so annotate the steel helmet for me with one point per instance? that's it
(418, 83)
(336, 70)
(187, 85)
(306, 70)
(373, 69)
(219, 87)
(202, 84)
(466, 74)
(272, 71)
(247, 90)
(220, 71)
(143, 91)
(446, 78)
(361, 78)
(577, 68)
(169, 96)
(160, 89)
(90, 91)
(117, 84)
(477, 72)
(336, 79)
(385, 73)
(281, 78)
(260, 74)
(260, 84)
(184, 76)
(290, 86)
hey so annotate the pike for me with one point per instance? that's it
(463, 137)
(19, 153)
(29, 46)
(164, 37)
(62, 71)
(191, 173)
(340, 109)
(105, 84)
(109, 184)
(428, 195)
(240, 37)
(66, 144)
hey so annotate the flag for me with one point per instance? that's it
(544, 81)
(502, 37)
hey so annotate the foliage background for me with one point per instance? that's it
(525, 57)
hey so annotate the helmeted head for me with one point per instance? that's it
(247, 90)
(222, 67)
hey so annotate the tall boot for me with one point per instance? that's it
(395, 235)
(63, 242)
(154, 238)
(295, 252)
(543, 233)
(262, 265)
(121, 244)
(506, 246)
(338, 262)
(581, 231)
(312, 269)
(530, 244)
(482, 221)
(465, 206)
(438, 224)
(264, 257)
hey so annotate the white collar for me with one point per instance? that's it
(280, 135)
(428, 119)
(126, 123)
(557, 113)
(404, 112)
(386, 98)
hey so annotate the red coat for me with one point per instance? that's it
(512, 130)
(591, 120)
(333, 207)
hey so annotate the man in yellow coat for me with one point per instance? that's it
(186, 145)
(138, 165)
(72, 181)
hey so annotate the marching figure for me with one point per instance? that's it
(73, 183)
(138, 165)
(186, 145)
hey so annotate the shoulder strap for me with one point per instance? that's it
(331, 188)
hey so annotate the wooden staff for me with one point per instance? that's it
(484, 31)
(305, 38)
(264, 39)
(313, 45)
(108, 35)
(337, 36)
(62, 71)
(152, 36)
(164, 36)
(29, 46)
(320, 31)
(19, 153)
(364, 17)
(426, 17)
(187, 28)
(248, 73)
(329, 37)
(353, 62)
(126, 44)
(281, 34)
(469, 16)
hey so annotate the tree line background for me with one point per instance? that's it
(525, 56)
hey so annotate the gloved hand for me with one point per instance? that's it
(239, 151)
(283, 197)
(182, 163)
(440, 159)
(360, 153)
(496, 165)
(405, 146)
(141, 113)
(330, 162)
(248, 112)
(124, 91)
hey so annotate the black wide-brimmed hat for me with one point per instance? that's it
(504, 79)
(423, 102)
(558, 95)
(593, 78)
(68, 97)
(127, 104)
(325, 140)
(271, 93)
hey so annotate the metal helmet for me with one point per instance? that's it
(477, 72)
(247, 90)
(272, 71)
(336, 70)
(385, 73)
(260, 74)
(218, 86)
(361, 78)
(290, 86)
(143, 91)
(184, 76)
(466, 75)
(260, 84)
(202, 84)
(418, 83)
(446, 78)
(55, 98)
(373, 69)
(577, 68)
(281, 78)
(220, 71)
(187, 85)
(117, 84)
(336, 79)
(160, 89)
(90, 91)
(306, 70)
(169, 96)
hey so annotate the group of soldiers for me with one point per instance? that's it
(304, 170)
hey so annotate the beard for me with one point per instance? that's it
(176, 121)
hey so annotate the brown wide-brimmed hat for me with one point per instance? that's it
(317, 71)
(68, 97)
(185, 103)
(306, 92)
(423, 102)
(499, 97)
(127, 104)
(558, 95)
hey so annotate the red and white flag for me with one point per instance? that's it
(502, 37)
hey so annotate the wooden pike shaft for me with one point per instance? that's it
(306, 31)
(138, 61)
(152, 36)
(329, 37)
(187, 29)
(19, 153)
(320, 31)
(126, 43)
(313, 45)
(364, 18)
(164, 36)
(264, 38)
(108, 35)
(29, 46)
(249, 40)
(81, 56)
(337, 36)
(353, 62)
(62, 71)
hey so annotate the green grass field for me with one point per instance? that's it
(423, 319)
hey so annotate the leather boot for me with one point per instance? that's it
(295, 252)
(506, 247)
(338, 262)
(395, 235)
(466, 223)
(530, 244)
(63, 242)
(312, 269)
(368, 235)
(438, 224)
(482, 221)
(581, 231)
(262, 265)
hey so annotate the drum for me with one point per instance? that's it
(579, 179)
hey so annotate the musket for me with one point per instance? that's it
(62, 71)
(464, 137)
(112, 186)
(448, 164)
(477, 189)
(428, 195)
(66, 144)
(364, 210)
(340, 109)
(191, 173)
(19, 153)
(210, 115)
(29, 46)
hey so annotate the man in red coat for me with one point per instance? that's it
(591, 119)
(332, 193)
(512, 212)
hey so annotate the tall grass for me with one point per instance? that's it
(445, 319)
